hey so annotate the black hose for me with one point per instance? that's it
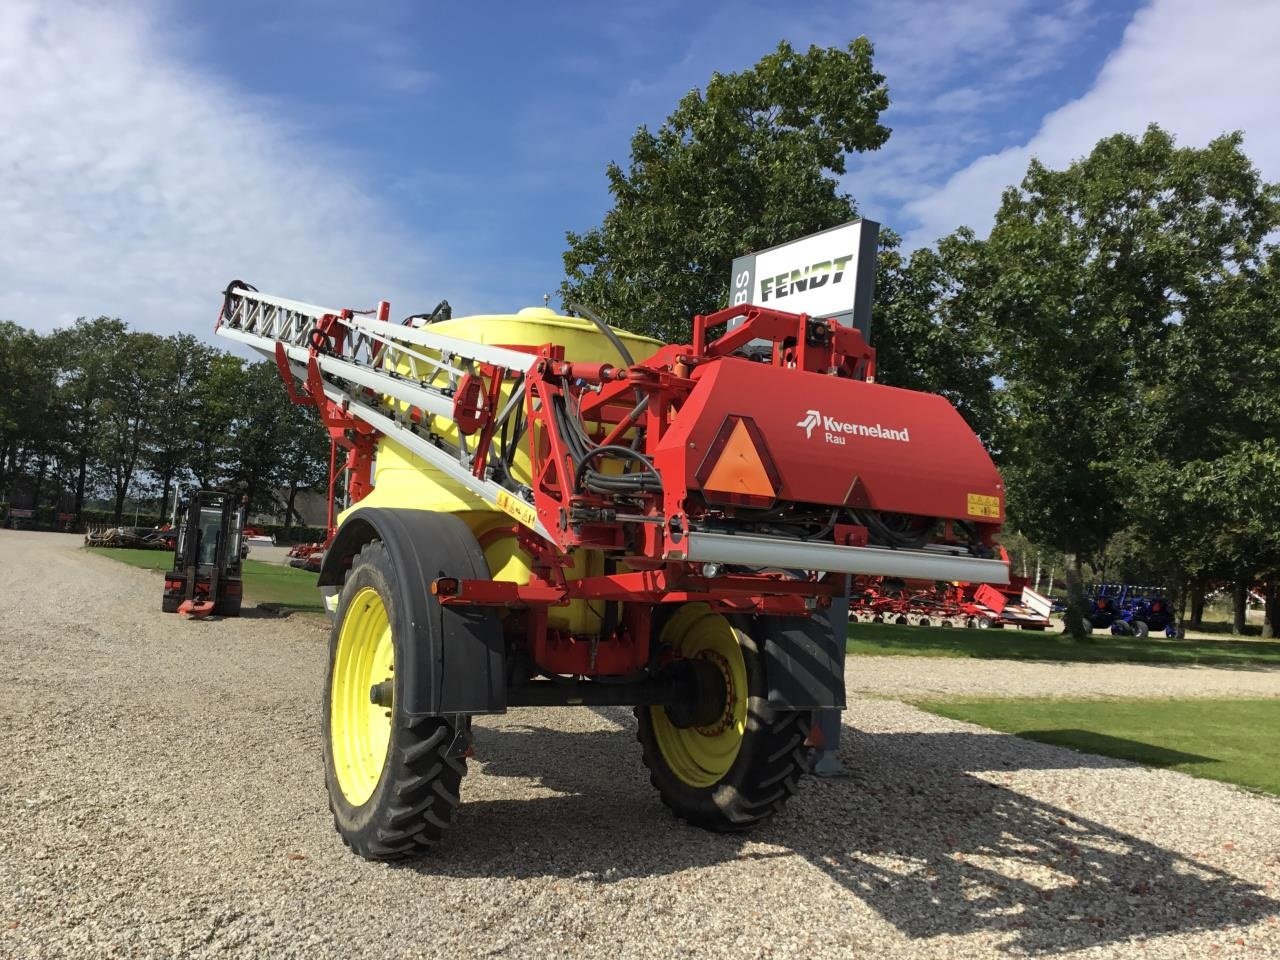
(895, 536)
(607, 330)
(619, 482)
(441, 311)
(226, 294)
(584, 451)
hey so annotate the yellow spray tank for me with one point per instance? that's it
(407, 481)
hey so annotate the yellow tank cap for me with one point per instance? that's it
(537, 312)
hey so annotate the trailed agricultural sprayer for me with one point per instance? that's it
(547, 511)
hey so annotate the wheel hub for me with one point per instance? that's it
(723, 717)
(700, 737)
(703, 689)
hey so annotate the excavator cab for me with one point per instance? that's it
(206, 578)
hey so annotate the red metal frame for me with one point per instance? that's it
(682, 400)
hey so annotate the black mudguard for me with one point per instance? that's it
(804, 664)
(456, 655)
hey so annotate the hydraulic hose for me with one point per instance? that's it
(607, 330)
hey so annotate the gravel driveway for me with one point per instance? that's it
(161, 794)
(921, 677)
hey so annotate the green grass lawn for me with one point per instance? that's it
(894, 640)
(1231, 740)
(264, 583)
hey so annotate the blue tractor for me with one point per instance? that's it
(1129, 611)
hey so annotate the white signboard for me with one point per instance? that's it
(827, 274)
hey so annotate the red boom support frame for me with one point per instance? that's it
(656, 431)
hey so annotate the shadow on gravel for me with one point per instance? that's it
(1139, 751)
(913, 833)
(263, 612)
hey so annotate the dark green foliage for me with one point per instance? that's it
(928, 329)
(1113, 288)
(98, 409)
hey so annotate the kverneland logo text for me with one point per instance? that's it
(835, 431)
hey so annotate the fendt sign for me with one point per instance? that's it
(827, 274)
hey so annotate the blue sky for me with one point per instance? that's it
(339, 154)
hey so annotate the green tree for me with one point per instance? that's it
(928, 326)
(183, 365)
(304, 455)
(1205, 487)
(130, 404)
(87, 351)
(30, 426)
(216, 403)
(750, 163)
(255, 448)
(1092, 270)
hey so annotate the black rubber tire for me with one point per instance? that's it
(417, 793)
(1140, 629)
(170, 604)
(765, 774)
(228, 607)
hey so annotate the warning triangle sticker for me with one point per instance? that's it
(739, 468)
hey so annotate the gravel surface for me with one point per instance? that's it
(161, 794)
(920, 677)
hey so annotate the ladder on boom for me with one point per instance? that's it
(350, 363)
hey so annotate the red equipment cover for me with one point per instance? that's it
(990, 597)
(838, 441)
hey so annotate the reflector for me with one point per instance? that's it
(737, 468)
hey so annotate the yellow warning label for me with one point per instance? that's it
(981, 505)
(517, 508)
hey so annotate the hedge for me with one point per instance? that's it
(46, 519)
(297, 534)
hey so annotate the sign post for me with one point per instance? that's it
(827, 274)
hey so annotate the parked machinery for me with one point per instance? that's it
(980, 605)
(208, 550)
(1130, 610)
(564, 513)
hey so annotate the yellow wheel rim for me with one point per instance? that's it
(702, 756)
(359, 730)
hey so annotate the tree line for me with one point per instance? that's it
(1114, 340)
(97, 410)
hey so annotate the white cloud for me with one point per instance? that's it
(954, 71)
(1198, 69)
(132, 185)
